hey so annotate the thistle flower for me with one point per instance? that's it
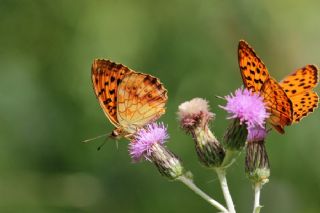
(194, 117)
(149, 144)
(248, 111)
(248, 107)
(145, 139)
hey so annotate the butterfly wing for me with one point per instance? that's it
(304, 104)
(278, 105)
(106, 76)
(254, 73)
(141, 100)
(298, 87)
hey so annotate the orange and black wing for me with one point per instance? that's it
(253, 71)
(278, 104)
(106, 77)
(141, 100)
(299, 88)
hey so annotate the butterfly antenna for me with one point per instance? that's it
(102, 144)
(91, 139)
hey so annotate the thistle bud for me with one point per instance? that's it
(235, 136)
(257, 165)
(167, 162)
(194, 117)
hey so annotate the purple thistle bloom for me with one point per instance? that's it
(256, 134)
(248, 107)
(145, 139)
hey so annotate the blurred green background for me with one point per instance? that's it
(48, 106)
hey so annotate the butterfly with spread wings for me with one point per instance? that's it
(129, 99)
(288, 101)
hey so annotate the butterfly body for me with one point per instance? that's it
(129, 99)
(288, 101)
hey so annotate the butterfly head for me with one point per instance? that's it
(116, 134)
(120, 133)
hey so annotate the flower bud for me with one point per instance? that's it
(235, 136)
(194, 117)
(257, 165)
(168, 163)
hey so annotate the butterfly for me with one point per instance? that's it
(129, 99)
(288, 101)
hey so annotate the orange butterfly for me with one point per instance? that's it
(288, 101)
(129, 99)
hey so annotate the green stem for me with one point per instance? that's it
(225, 189)
(188, 182)
(256, 204)
(230, 158)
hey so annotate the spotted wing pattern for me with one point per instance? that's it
(106, 77)
(141, 100)
(298, 87)
(256, 78)
(288, 101)
(278, 105)
(129, 99)
(254, 73)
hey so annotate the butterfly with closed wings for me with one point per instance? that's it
(129, 99)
